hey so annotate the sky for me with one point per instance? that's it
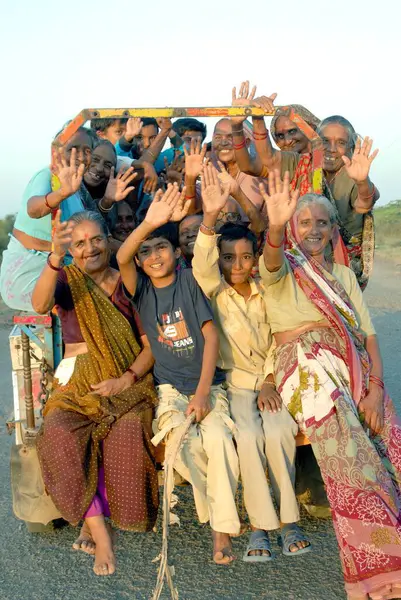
(57, 58)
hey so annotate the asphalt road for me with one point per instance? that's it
(42, 566)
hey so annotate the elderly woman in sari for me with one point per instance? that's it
(328, 370)
(94, 447)
(346, 165)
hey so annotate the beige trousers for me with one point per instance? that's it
(208, 459)
(265, 439)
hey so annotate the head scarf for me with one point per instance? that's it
(303, 112)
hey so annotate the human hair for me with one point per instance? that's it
(149, 121)
(103, 124)
(339, 120)
(311, 199)
(80, 129)
(231, 232)
(169, 232)
(103, 142)
(188, 124)
(90, 216)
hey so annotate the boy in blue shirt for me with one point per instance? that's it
(178, 321)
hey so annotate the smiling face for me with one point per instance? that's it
(146, 137)
(222, 141)
(90, 248)
(81, 141)
(314, 229)
(336, 143)
(157, 258)
(236, 260)
(288, 137)
(125, 223)
(103, 159)
(187, 235)
(113, 132)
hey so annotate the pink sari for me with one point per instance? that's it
(321, 377)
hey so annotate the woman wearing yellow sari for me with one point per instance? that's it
(94, 447)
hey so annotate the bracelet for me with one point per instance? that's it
(269, 383)
(134, 375)
(52, 266)
(377, 381)
(52, 208)
(260, 136)
(102, 208)
(239, 146)
(190, 197)
(370, 195)
(211, 229)
(238, 128)
(268, 242)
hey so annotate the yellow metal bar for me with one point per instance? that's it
(175, 113)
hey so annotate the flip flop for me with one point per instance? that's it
(258, 540)
(291, 534)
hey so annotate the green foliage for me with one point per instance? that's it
(388, 224)
(6, 226)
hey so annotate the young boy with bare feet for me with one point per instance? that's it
(178, 321)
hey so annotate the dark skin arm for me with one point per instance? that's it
(200, 403)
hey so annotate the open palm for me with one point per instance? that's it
(280, 201)
(214, 195)
(118, 187)
(358, 166)
(244, 99)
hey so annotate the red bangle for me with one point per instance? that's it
(377, 381)
(52, 266)
(239, 146)
(259, 136)
(47, 203)
(268, 242)
(190, 197)
(134, 375)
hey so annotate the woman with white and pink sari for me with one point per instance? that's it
(329, 373)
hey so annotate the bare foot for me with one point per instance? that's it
(222, 548)
(105, 560)
(85, 541)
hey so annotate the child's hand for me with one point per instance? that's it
(281, 202)
(163, 206)
(214, 195)
(200, 405)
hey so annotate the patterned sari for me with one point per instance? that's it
(321, 377)
(83, 431)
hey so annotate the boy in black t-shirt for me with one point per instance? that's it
(178, 321)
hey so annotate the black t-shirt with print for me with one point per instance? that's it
(172, 318)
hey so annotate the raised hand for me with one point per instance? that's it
(151, 179)
(194, 159)
(61, 236)
(164, 123)
(266, 103)
(244, 99)
(117, 189)
(70, 172)
(182, 207)
(226, 179)
(174, 171)
(280, 201)
(163, 206)
(134, 128)
(358, 166)
(214, 194)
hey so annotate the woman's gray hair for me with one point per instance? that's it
(91, 216)
(339, 120)
(311, 199)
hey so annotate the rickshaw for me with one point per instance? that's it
(36, 345)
